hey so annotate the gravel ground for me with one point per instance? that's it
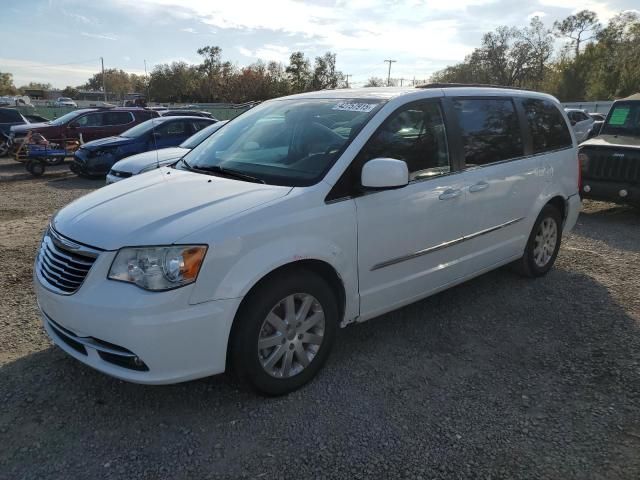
(502, 377)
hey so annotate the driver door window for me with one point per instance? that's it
(90, 120)
(416, 134)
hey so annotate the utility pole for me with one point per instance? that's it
(347, 77)
(389, 74)
(146, 78)
(104, 89)
(402, 81)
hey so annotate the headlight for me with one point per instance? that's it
(158, 268)
(148, 168)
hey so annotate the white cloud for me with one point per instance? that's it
(58, 75)
(188, 30)
(79, 18)
(278, 53)
(100, 36)
(538, 14)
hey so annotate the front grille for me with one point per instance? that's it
(120, 174)
(60, 268)
(613, 164)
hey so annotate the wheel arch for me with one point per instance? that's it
(321, 268)
(559, 203)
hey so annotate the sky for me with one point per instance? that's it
(61, 41)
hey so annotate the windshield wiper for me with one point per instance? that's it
(226, 171)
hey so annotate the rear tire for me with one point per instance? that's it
(283, 332)
(543, 244)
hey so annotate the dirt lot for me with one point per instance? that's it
(502, 377)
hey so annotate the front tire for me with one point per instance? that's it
(283, 332)
(543, 244)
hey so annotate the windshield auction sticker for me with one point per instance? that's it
(619, 116)
(355, 107)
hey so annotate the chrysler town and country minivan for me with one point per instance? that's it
(302, 215)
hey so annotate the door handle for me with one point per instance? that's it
(478, 187)
(450, 193)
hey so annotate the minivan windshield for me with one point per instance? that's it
(624, 119)
(291, 142)
(66, 118)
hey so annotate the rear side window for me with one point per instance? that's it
(548, 128)
(490, 130)
(117, 118)
(146, 115)
(10, 116)
(198, 125)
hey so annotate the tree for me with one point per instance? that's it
(507, 56)
(299, 72)
(578, 28)
(375, 82)
(325, 75)
(36, 86)
(116, 82)
(70, 92)
(210, 67)
(6, 84)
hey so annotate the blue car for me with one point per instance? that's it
(94, 159)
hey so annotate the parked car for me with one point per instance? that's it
(8, 118)
(143, 162)
(610, 162)
(88, 124)
(179, 112)
(581, 123)
(65, 102)
(598, 121)
(96, 158)
(304, 214)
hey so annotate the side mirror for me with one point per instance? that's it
(383, 173)
(73, 125)
(573, 123)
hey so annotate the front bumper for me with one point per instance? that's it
(618, 192)
(94, 166)
(175, 340)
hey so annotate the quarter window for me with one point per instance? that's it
(548, 127)
(416, 134)
(490, 130)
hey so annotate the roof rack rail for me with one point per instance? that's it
(460, 85)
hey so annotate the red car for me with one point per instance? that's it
(88, 124)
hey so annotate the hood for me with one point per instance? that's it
(613, 141)
(135, 163)
(158, 208)
(24, 128)
(107, 142)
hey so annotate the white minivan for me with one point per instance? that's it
(302, 215)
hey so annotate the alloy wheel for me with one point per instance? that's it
(545, 242)
(291, 335)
